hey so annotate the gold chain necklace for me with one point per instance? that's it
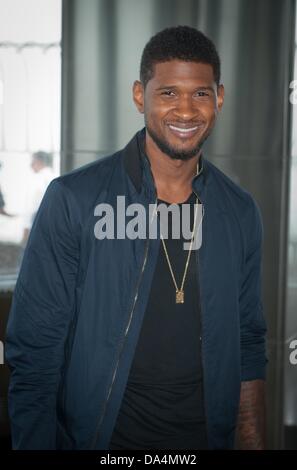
(179, 293)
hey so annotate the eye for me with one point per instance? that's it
(168, 93)
(202, 93)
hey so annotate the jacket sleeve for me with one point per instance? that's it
(38, 324)
(252, 321)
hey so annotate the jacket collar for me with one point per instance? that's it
(132, 159)
(137, 166)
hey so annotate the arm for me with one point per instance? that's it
(251, 418)
(26, 232)
(39, 320)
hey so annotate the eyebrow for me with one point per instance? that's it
(200, 88)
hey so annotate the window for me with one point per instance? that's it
(30, 88)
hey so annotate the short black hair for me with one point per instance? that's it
(182, 43)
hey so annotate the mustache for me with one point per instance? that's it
(186, 123)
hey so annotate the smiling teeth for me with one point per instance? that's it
(179, 129)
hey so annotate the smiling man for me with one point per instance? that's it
(136, 343)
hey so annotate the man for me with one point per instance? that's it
(41, 164)
(136, 343)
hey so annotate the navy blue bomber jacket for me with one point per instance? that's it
(79, 303)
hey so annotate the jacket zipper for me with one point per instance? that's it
(201, 322)
(95, 439)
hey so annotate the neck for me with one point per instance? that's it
(173, 178)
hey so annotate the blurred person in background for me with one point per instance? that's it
(2, 202)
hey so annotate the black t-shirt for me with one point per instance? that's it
(163, 407)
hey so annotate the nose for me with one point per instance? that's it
(185, 108)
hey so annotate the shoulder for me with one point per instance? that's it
(235, 199)
(90, 176)
(74, 194)
(85, 184)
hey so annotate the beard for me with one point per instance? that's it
(174, 152)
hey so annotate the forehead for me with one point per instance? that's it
(177, 71)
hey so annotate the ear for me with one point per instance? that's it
(138, 95)
(221, 94)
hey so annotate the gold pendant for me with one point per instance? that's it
(179, 297)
